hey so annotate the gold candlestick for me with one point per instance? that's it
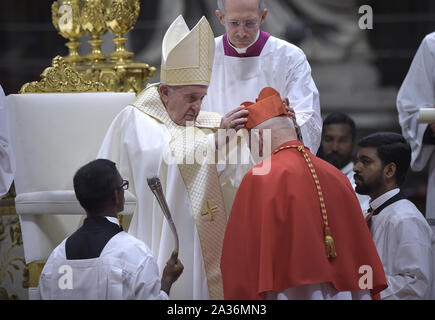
(94, 24)
(121, 15)
(66, 20)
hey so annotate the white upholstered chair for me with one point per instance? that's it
(53, 135)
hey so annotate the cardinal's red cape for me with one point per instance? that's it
(274, 238)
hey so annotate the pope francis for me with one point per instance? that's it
(150, 138)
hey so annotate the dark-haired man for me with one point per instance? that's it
(338, 142)
(100, 260)
(402, 236)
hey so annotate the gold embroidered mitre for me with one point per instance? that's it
(187, 55)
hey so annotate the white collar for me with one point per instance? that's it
(243, 50)
(374, 204)
(347, 168)
(113, 220)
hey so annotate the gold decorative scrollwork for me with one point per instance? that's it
(7, 203)
(9, 262)
(61, 78)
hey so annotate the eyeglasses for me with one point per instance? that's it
(124, 185)
(234, 24)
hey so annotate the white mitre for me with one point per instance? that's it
(187, 55)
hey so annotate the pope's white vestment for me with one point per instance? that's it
(418, 91)
(7, 164)
(404, 242)
(280, 65)
(139, 144)
(125, 270)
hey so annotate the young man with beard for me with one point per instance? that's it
(402, 235)
(338, 142)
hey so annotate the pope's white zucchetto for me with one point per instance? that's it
(187, 55)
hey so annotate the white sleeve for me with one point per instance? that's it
(147, 284)
(304, 99)
(409, 273)
(44, 284)
(416, 92)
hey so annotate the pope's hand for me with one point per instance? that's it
(235, 119)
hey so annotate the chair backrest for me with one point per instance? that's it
(55, 134)
(52, 136)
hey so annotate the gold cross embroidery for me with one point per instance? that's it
(209, 210)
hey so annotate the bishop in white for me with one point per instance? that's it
(248, 59)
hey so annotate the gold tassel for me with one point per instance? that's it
(329, 241)
(329, 244)
(330, 247)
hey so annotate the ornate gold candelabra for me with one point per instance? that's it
(116, 71)
(66, 20)
(121, 16)
(93, 23)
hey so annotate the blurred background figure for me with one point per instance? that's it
(416, 92)
(337, 147)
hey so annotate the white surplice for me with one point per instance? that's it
(7, 164)
(404, 241)
(125, 269)
(363, 199)
(318, 291)
(418, 91)
(280, 65)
